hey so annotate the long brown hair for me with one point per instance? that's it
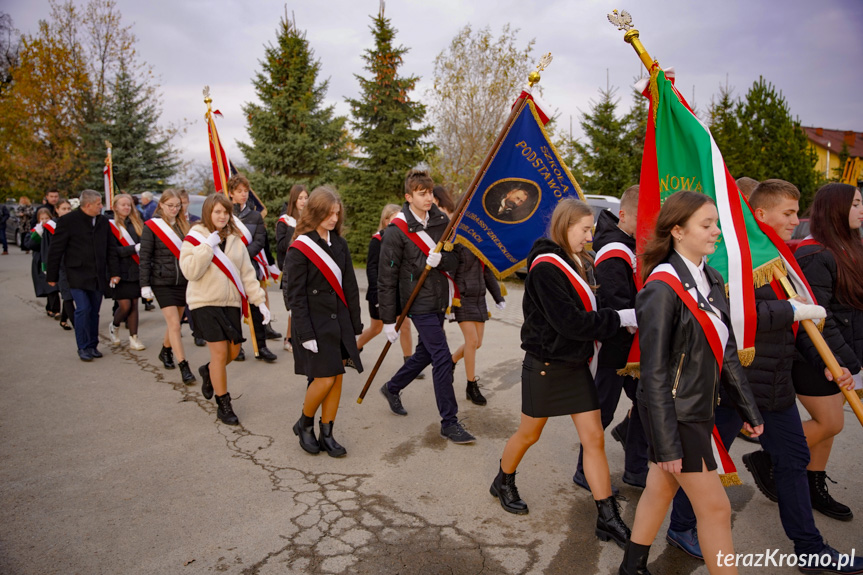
(133, 215)
(567, 213)
(207, 215)
(318, 208)
(181, 222)
(829, 224)
(676, 211)
(296, 190)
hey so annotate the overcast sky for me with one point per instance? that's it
(811, 50)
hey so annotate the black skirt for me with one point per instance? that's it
(170, 296)
(809, 381)
(695, 440)
(218, 324)
(472, 308)
(549, 389)
(125, 290)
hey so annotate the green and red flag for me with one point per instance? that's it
(680, 154)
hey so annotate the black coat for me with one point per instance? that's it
(85, 250)
(679, 376)
(402, 263)
(372, 262)
(34, 219)
(556, 325)
(129, 268)
(284, 237)
(255, 222)
(319, 314)
(473, 278)
(844, 327)
(616, 288)
(39, 248)
(159, 266)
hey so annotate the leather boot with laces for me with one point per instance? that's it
(328, 443)
(822, 501)
(473, 393)
(634, 559)
(186, 373)
(226, 411)
(609, 525)
(166, 356)
(503, 487)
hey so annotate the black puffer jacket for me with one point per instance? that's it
(129, 269)
(372, 263)
(556, 325)
(402, 263)
(473, 278)
(616, 288)
(679, 376)
(769, 374)
(255, 222)
(159, 266)
(844, 328)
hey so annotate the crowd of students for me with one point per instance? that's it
(581, 313)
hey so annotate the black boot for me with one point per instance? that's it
(206, 382)
(265, 354)
(634, 560)
(304, 428)
(821, 499)
(474, 394)
(270, 333)
(503, 487)
(166, 356)
(186, 373)
(225, 411)
(328, 442)
(619, 431)
(241, 356)
(609, 525)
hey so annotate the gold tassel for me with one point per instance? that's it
(456, 302)
(729, 479)
(746, 356)
(447, 247)
(632, 369)
(489, 315)
(503, 289)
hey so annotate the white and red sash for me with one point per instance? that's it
(260, 259)
(124, 237)
(51, 226)
(288, 220)
(323, 261)
(426, 245)
(225, 264)
(582, 288)
(378, 236)
(167, 234)
(616, 250)
(712, 325)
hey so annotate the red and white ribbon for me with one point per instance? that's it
(124, 237)
(260, 259)
(426, 245)
(225, 264)
(323, 261)
(167, 234)
(288, 220)
(51, 226)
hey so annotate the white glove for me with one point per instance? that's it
(137, 248)
(500, 305)
(213, 240)
(858, 380)
(265, 312)
(434, 259)
(627, 318)
(311, 345)
(390, 331)
(807, 311)
(147, 292)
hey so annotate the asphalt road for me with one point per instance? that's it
(116, 467)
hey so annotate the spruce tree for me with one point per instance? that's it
(725, 128)
(386, 122)
(295, 139)
(635, 122)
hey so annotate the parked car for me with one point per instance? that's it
(12, 235)
(196, 204)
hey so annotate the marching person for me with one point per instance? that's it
(831, 261)
(33, 242)
(251, 226)
(372, 262)
(126, 230)
(67, 306)
(562, 324)
(687, 351)
(80, 244)
(222, 282)
(615, 273)
(24, 212)
(284, 236)
(49, 203)
(325, 301)
(162, 278)
(407, 248)
(4, 217)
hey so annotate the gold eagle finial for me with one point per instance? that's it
(621, 19)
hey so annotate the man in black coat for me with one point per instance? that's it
(81, 244)
(51, 199)
(4, 216)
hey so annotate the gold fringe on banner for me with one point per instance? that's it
(746, 356)
(632, 369)
(503, 291)
(730, 479)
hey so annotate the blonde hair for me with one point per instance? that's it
(567, 213)
(387, 213)
(181, 222)
(133, 215)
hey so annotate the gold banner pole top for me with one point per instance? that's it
(534, 77)
(208, 100)
(623, 21)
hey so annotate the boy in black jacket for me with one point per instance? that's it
(408, 246)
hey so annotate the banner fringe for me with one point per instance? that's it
(729, 479)
(746, 356)
(632, 369)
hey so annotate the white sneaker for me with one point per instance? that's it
(287, 346)
(135, 343)
(112, 331)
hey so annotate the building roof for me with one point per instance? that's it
(836, 138)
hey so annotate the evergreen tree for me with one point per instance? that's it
(294, 138)
(635, 122)
(607, 158)
(384, 118)
(725, 128)
(142, 156)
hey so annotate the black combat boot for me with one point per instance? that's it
(474, 394)
(206, 382)
(225, 411)
(328, 442)
(822, 500)
(186, 373)
(634, 560)
(609, 525)
(503, 487)
(304, 428)
(166, 356)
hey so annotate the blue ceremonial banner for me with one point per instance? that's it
(513, 203)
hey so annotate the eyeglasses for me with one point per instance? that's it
(173, 206)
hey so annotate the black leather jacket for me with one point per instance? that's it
(679, 376)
